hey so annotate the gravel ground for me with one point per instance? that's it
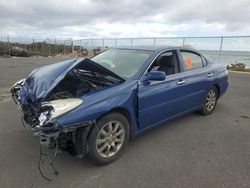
(192, 151)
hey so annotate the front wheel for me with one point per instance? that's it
(108, 139)
(211, 101)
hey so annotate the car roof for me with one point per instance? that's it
(157, 48)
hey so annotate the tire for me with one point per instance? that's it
(105, 146)
(210, 102)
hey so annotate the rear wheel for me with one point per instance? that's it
(108, 139)
(211, 101)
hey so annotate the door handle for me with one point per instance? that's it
(181, 82)
(209, 75)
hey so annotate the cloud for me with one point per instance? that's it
(125, 18)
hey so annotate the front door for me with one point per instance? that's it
(160, 100)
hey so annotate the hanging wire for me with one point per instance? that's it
(51, 162)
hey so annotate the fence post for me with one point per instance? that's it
(56, 47)
(183, 42)
(154, 41)
(221, 43)
(42, 47)
(36, 44)
(57, 51)
(49, 47)
(80, 48)
(103, 43)
(116, 43)
(92, 43)
(72, 45)
(64, 47)
(8, 39)
(33, 42)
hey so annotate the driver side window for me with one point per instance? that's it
(166, 62)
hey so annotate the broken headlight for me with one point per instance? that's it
(15, 90)
(53, 109)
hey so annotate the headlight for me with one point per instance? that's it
(53, 109)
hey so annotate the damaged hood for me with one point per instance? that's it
(42, 80)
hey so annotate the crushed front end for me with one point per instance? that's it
(42, 120)
(50, 93)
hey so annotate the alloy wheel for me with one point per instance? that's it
(211, 100)
(110, 139)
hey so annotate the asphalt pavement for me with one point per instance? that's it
(192, 151)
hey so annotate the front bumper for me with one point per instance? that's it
(72, 140)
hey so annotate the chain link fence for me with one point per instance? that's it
(13, 45)
(227, 49)
(223, 49)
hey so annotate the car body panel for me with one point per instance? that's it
(42, 80)
(97, 104)
(163, 99)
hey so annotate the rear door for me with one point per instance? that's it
(198, 78)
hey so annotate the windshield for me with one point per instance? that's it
(125, 63)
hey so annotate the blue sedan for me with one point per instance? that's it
(92, 107)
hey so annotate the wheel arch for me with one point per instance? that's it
(218, 89)
(122, 111)
(89, 129)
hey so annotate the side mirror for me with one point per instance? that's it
(156, 76)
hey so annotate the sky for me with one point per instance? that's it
(125, 18)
